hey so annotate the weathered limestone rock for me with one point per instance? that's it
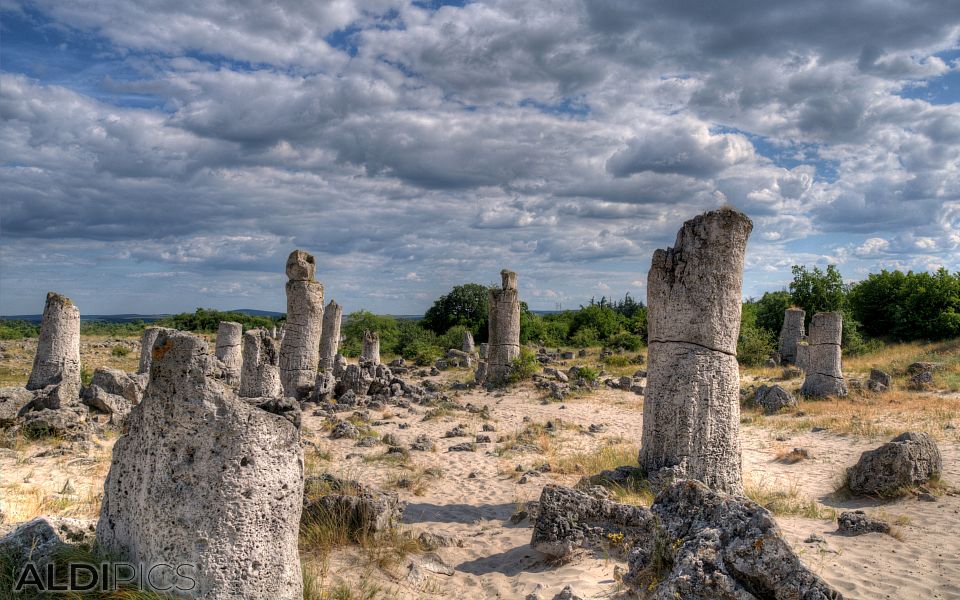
(569, 519)
(723, 547)
(146, 346)
(773, 398)
(57, 361)
(330, 335)
(857, 522)
(879, 381)
(822, 361)
(13, 400)
(909, 460)
(204, 478)
(120, 383)
(791, 333)
(503, 330)
(360, 509)
(484, 347)
(259, 376)
(66, 421)
(691, 412)
(39, 540)
(371, 347)
(300, 347)
(114, 405)
(230, 350)
(468, 345)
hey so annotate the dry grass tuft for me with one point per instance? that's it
(785, 500)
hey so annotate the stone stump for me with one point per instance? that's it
(330, 337)
(468, 345)
(503, 329)
(57, 361)
(300, 344)
(822, 357)
(230, 350)
(146, 347)
(371, 347)
(791, 333)
(691, 412)
(203, 478)
(259, 376)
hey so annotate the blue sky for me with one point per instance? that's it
(160, 158)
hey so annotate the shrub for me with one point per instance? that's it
(120, 351)
(524, 366)
(588, 373)
(626, 341)
(586, 336)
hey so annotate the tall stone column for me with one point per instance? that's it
(330, 338)
(57, 361)
(824, 376)
(503, 329)
(791, 333)
(300, 345)
(146, 347)
(691, 411)
(205, 479)
(371, 347)
(230, 350)
(259, 376)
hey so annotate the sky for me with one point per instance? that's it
(163, 156)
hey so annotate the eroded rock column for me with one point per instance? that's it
(203, 478)
(468, 345)
(791, 333)
(330, 338)
(691, 411)
(259, 376)
(57, 361)
(824, 376)
(371, 347)
(230, 350)
(503, 329)
(146, 347)
(300, 345)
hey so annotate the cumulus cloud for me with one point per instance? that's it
(413, 147)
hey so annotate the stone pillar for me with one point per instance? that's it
(204, 478)
(259, 376)
(371, 347)
(300, 345)
(330, 339)
(468, 345)
(57, 361)
(146, 347)
(230, 350)
(691, 412)
(790, 334)
(824, 376)
(803, 349)
(503, 329)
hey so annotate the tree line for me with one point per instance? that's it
(886, 306)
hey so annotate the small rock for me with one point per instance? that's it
(858, 523)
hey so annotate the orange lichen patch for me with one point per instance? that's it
(160, 351)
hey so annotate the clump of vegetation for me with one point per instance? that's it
(120, 351)
(785, 501)
(18, 329)
(524, 366)
(207, 320)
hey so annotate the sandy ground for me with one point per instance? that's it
(478, 492)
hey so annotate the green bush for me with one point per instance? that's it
(625, 341)
(453, 338)
(207, 320)
(120, 351)
(16, 330)
(588, 373)
(524, 366)
(585, 336)
(754, 346)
